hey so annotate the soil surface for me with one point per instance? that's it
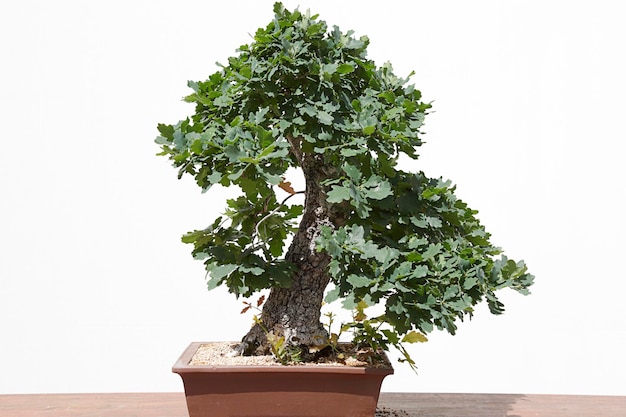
(226, 353)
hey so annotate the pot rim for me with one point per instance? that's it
(182, 366)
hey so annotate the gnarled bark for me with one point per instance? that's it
(294, 312)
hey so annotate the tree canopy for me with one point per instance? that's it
(304, 90)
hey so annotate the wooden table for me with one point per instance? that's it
(411, 404)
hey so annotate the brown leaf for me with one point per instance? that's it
(359, 316)
(260, 301)
(286, 186)
(245, 309)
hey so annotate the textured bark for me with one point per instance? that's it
(294, 312)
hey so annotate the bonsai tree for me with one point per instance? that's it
(305, 97)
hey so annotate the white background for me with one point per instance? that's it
(98, 294)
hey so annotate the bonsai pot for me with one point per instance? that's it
(279, 391)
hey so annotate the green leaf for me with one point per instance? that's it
(378, 188)
(218, 273)
(358, 281)
(215, 177)
(269, 152)
(221, 271)
(432, 251)
(371, 250)
(345, 68)
(434, 222)
(338, 194)
(193, 85)
(197, 147)
(233, 153)
(259, 116)
(166, 130)
(348, 152)
(353, 172)
(223, 101)
(332, 295)
(419, 271)
(451, 292)
(349, 303)
(308, 110)
(388, 95)
(368, 130)
(324, 118)
(254, 270)
(414, 337)
(160, 140)
(329, 69)
(470, 283)
(355, 43)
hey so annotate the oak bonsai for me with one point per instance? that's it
(303, 96)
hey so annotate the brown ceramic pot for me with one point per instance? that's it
(279, 391)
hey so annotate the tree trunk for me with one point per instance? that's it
(294, 312)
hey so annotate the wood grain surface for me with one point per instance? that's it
(411, 404)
